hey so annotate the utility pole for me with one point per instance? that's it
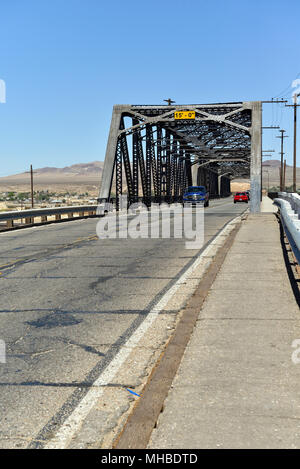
(270, 127)
(265, 170)
(264, 165)
(31, 185)
(295, 105)
(279, 176)
(169, 101)
(284, 172)
(282, 136)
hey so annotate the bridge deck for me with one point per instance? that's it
(69, 305)
(237, 386)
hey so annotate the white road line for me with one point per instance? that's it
(73, 423)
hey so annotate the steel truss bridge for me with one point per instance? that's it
(154, 152)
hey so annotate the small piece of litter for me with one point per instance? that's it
(132, 392)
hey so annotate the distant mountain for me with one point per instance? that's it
(271, 174)
(77, 171)
(273, 163)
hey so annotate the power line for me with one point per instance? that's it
(286, 90)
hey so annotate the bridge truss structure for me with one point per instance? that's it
(154, 152)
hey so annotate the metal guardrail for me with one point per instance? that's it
(293, 199)
(44, 213)
(289, 204)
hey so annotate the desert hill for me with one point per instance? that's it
(81, 177)
(77, 171)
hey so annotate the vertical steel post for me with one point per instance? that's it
(164, 167)
(188, 170)
(168, 164)
(135, 163)
(118, 174)
(142, 166)
(153, 165)
(126, 160)
(148, 164)
(110, 155)
(159, 137)
(256, 156)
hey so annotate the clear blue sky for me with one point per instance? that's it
(67, 62)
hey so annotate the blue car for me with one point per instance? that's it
(195, 195)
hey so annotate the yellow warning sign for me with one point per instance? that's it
(185, 115)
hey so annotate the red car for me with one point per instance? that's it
(240, 197)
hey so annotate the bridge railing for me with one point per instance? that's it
(30, 215)
(293, 199)
(289, 204)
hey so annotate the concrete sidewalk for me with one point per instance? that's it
(237, 386)
(267, 206)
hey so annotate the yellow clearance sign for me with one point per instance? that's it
(185, 115)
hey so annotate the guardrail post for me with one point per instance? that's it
(10, 223)
(58, 216)
(43, 218)
(70, 215)
(297, 208)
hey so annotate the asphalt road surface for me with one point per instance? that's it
(69, 301)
